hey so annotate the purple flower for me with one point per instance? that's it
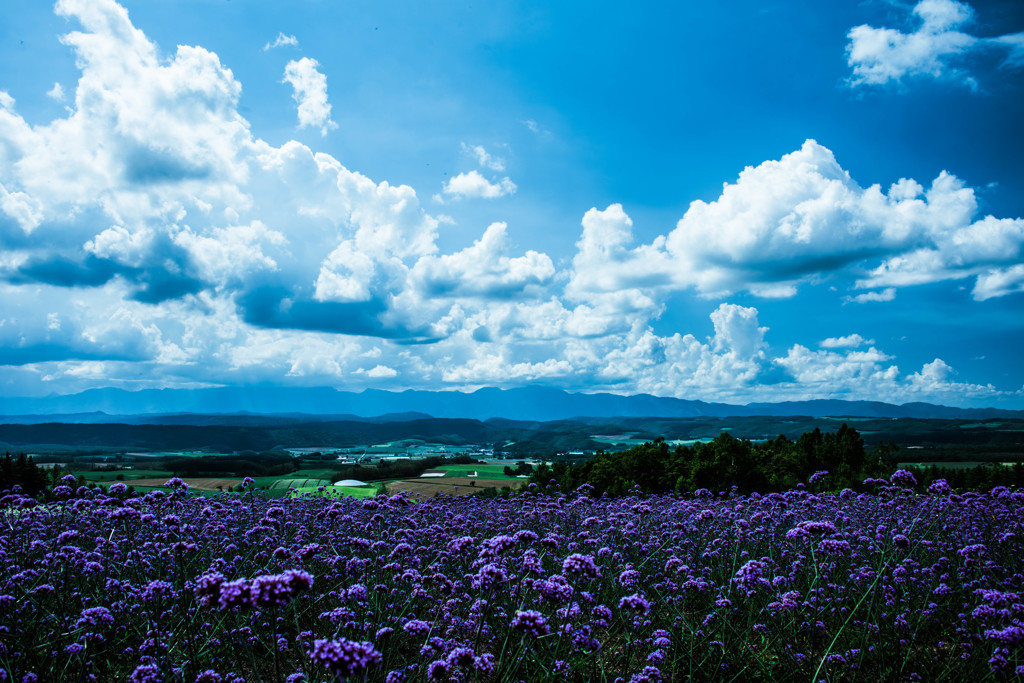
(636, 603)
(145, 673)
(438, 669)
(751, 576)
(343, 657)
(490, 576)
(940, 487)
(279, 589)
(209, 676)
(817, 476)
(1011, 635)
(532, 622)
(903, 478)
(95, 616)
(582, 565)
(629, 578)
(207, 587)
(415, 627)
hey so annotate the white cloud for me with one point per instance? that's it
(803, 218)
(737, 331)
(483, 159)
(880, 55)
(484, 269)
(472, 185)
(381, 371)
(310, 93)
(56, 92)
(887, 294)
(281, 40)
(850, 341)
(999, 282)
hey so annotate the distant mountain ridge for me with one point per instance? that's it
(528, 403)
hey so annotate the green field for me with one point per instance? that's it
(101, 476)
(483, 471)
(351, 491)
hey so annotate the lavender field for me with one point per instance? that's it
(894, 584)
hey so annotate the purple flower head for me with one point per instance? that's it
(415, 627)
(492, 547)
(176, 483)
(1011, 635)
(279, 589)
(636, 603)
(95, 616)
(554, 589)
(438, 670)
(462, 657)
(751, 576)
(344, 658)
(582, 565)
(145, 673)
(532, 622)
(490, 576)
(117, 489)
(207, 587)
(817, 476)
(940, 487)
(629, 578)
(900, 541)
(63, 491)
(903, 478)
(234, 594)
(209, 676)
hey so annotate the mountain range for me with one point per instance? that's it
(528, 403)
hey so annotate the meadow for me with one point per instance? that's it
(896, 583)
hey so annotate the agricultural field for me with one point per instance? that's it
(451, 486)
(483, 471)
(894, 584)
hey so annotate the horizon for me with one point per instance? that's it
(735, 205)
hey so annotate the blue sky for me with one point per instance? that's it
(725, 201)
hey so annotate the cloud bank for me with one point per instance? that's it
(150, 238)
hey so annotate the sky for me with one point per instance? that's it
(732, 202)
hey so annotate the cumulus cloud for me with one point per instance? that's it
(56, 92)
(310, 93)
(936, 49)
(803, 218)
(280, 41)
(484, 269)
(472, 185)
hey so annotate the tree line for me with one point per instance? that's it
(762, 466)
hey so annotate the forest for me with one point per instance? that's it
(827, 461)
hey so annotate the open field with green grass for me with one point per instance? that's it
(484, 471)
(351, 491)
(126, 475)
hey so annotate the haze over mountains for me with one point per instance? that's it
(531, 403)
